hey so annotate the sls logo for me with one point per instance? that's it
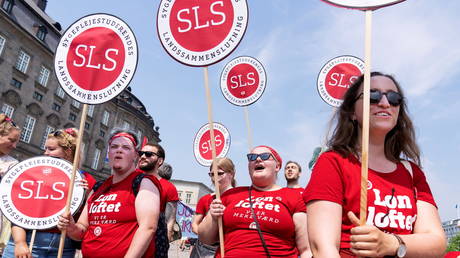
(97, 231)
(253, 225)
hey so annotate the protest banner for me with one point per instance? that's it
(184, 217)
(95, 61)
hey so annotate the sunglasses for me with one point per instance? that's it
(148, 154)
(394, 98)
(57, 133)
(218, 173)
(263, 156)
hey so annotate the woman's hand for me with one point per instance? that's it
(21, 250)
(369, 241)
(216, 209)
(66, 222)
(83, 183)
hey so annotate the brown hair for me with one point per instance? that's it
(227, 166)
(6, 125)
(400, 140)
(67, 139)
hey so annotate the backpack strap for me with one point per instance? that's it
(97, 185)
(137, 183)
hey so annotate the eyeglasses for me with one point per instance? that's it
(211, 174)
(148, 154)
(394, 98)
(263, 156)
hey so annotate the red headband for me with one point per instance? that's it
(126, 135)
(274, 153)
(71, 131)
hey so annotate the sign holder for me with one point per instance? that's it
(248, 126)
(32, 240)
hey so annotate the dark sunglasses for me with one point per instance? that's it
(263, 156)
(57, 133)
(394, 98)
(148, 154)
(218, 173)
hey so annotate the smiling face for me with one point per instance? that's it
(122, 155)
(382, 116)
(8, 142)
(263, 172)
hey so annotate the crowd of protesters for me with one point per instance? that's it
(131, 213)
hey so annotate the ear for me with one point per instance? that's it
(160, 162)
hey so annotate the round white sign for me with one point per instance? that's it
(96, 58)
(201, 32)
(34, 192)
(243, 81)
(363, 4)
(202, 143)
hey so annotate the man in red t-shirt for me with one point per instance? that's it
(152, 156)
(292, 172)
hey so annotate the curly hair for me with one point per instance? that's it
(66, 138)
(6, 125)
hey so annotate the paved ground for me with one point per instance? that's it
(175, 252)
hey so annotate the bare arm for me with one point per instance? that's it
(324, 227)
(170, 214)
(196, 222)
(147, 212)
(208, 230)
(301, 234)
(76, 230)
(21, 249)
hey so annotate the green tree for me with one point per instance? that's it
(454, 244)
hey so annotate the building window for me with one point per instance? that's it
(43, 76)
(7, 110)
(8, 5)
(87, 125)
(2, 43)
(41, 32)
(105, 118)
(91, 110)
(16, 83)
(27, 129)
(60, 92)
(38, 96)
(97, 154)
(56, 107)
(72, 117)
(188, 197)
(48, 130)
(179, 193)
(101, 133)
(23, 61)
(75, 103)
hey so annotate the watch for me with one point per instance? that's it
(402, 249)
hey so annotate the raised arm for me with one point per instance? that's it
(324, 227)
(208, 230)
(147, 212)
(77, 230)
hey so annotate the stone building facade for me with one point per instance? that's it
(31, 95)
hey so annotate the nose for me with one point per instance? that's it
(384, 101)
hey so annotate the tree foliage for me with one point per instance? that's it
(454, 244)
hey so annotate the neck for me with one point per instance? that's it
(119, 175)
(223, 189)
(293, 184)
(271, 187)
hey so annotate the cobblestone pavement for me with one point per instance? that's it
(175, 252)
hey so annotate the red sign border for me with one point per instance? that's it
(222, 74)
(201, 131)
(321, 70)
(210, 63)
(19, 165)
(127, 82)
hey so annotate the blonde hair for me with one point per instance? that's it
(66, 138)
(6, 125)
(227, 166)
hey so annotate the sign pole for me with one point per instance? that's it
(76, 162)
(213, 151)
(248, 126)
(32, 240)
(366, 106)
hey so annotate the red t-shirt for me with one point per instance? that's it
(112, 219)
(202, 207)
(274, 211)
(299, 190)
(90, 179)
(391, 197)
(168, 193)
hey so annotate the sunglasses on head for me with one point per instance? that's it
(148, 154)
(57, 133)
(218, 173)
(394, 98)
(263, 156)
(8, 119)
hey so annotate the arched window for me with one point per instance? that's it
(41, 32)
(8, 5)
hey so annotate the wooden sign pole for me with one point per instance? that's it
(213, 151)
(248, 125)
(32, 240)
(76, 162)
(366, 106)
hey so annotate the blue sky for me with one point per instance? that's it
(417, 41)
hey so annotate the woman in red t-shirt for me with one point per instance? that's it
(226, 180)
(262, 219)
(115, 221)
(402, 218)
